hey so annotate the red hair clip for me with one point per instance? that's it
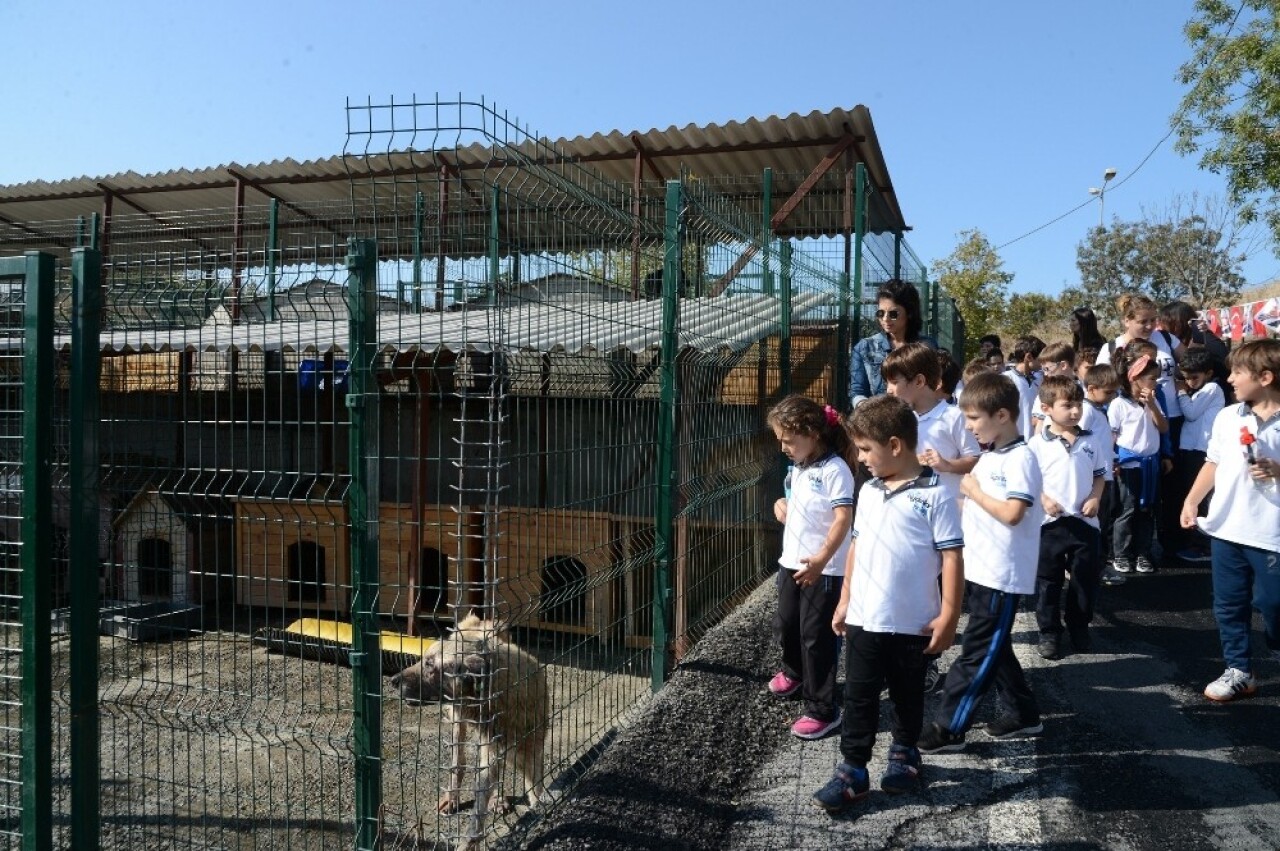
(833, 416)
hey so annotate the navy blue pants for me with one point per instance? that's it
(986, 659)
(1067, 544)
(872, 661)
(1244, 579)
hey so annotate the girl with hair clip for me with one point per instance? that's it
(1137, 422)
(817, 513)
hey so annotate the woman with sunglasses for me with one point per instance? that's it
(899, 316)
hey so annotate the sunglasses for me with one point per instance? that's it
(891, 315)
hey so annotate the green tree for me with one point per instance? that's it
(1232, 104)
(1191, 250)
(1039, 314)
(973, 274)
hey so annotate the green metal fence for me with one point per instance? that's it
(295, 446)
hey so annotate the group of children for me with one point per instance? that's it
(1025, 485)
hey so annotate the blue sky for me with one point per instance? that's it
(992, 115)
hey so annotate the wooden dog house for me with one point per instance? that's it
(292, 555)
(176, 549)
(432, 565)
(554, 568)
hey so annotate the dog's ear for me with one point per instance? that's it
(464, 675)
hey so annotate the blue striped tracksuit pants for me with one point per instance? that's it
(986, 659)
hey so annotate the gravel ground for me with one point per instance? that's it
(674, 778)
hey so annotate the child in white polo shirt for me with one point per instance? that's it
(1200, 398)
(1241, 466)
(817, 512)
(893, 610)
(912, 372)
(1024, 372)
(1137, 421)
(1001, 522)
(1075, 464)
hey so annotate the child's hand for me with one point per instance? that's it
(810, 571)
(1188, 516)
(969, 486)
(1264, 468)
(931, 458)
(1091, 507)
(837, 620)
(1051, 508)
(780, 510)
(1166, 466)
(942, 630)
(1146, 396)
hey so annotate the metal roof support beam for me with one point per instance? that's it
(784, 212)
(242, 180)
(636, 211)
(236, 249)
(116, 193)
(642, 154)
(38, 234)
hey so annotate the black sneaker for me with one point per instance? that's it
(1081, 640)
(1011, 727)
(1049, 645)
(933, 678)
(903, 773)
(938, 739)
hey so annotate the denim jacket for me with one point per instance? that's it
(865, 378)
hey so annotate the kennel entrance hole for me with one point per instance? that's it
(306, 572)
(155, 569)
(562, 599)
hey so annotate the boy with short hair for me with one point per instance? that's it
(1057, 358)
(1001, 524)
(949, 381)
(1101, 384)
(1201, 398)
(1075, 464)
(1242, 463)
(893, 609)
(1085, 358)
(912, 373)
(1024, 366)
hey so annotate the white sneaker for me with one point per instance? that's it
(1232, 684)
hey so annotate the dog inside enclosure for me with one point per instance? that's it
(494, 692)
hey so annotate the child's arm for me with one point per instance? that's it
(811, 565)
(1008, 511)
(842, 607)
(1091, 504)
(780, 510)
(1154, 411)
(961, 465)
(943, 627)
(1199, 490)
(1203, 401)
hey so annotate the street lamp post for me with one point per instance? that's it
(1101, 192)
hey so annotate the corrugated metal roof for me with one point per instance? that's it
(714, 324)
(792, 146)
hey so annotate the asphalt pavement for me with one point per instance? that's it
(1132, 756)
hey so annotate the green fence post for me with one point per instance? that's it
(784, 349)
(83, 465)
(37, 554)
(664, 519)
(494, 243)
(273, 251)
(419, 217)
(366, 657)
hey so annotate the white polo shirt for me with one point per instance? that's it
(1164, 357)
(999, 556)
(1028, 399)
(942, 430)
(1133, 428)
(1240, 511)
(1068, 470)
(1198, 412)
(1094, 419)
(897, 558)
(816, 490)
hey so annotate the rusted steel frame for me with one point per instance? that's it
(155, 217)
(38, 234)
(785, 211)
(636, 212)
(248, 181)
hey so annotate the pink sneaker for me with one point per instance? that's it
(782, 685)
(808, 727)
